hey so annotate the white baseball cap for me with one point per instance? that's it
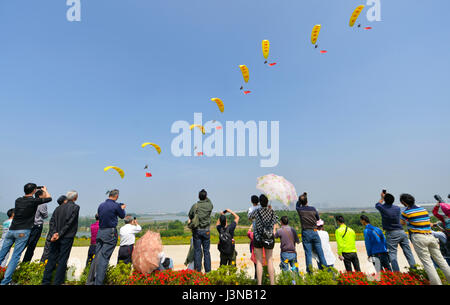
(320, 223)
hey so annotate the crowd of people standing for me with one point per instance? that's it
(431, 248)
(24, 225)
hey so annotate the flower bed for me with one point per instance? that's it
(123, 274)
(386, 278)
(168, 277)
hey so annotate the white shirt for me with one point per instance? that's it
(127, 232)
(326, 248)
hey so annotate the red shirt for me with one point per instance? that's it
(94, 231)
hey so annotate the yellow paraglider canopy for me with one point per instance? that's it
(265, 48)
(244, 71)
(119, 170)
(219, 103)
(315, 33)
(355, 15)
(199, 127)
(158, 149)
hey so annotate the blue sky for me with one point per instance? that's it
(75, 97)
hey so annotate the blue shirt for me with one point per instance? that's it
(390, 216)
(374, 240)
(108, 212)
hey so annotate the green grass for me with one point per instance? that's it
(180, 240)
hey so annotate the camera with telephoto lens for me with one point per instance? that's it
(39, 187)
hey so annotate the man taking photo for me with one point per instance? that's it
(107, 236)
(19, 231)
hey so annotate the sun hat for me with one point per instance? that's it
(320, 223)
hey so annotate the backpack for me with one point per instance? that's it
(195, 222)
(267, 237)
(226, 242)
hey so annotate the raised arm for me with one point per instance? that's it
(236, 216)
(436, 213)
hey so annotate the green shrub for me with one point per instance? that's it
(325, 276)
(168, 233)
(317, 277)
(176, 225)
(84, 275)
(29, 273)
(289, 278)
(230, 275)
(118, 274)
(420, 274)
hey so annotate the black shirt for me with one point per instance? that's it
(24, 212)
(231, 227)
(65, 220)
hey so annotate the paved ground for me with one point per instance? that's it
(178, 254)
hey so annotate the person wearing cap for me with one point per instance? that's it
(127, 239)
(61, 200)
(310, 238)
(93, 245)
(222, 227)
(427, 247)
(19, 231)
(375, 245)
(325, 243)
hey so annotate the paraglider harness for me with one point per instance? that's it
(226, 243)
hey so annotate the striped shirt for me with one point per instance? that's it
(417, 219)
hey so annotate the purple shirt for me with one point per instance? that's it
(94, 231)
(288, 238)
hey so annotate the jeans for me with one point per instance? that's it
(35, 234)
(351, 258)
(310, 240)
(5, 260)
(57, 258)
(393, 239)
(381, 260)
(106, 243)
(201, 238)
(291, 259)
(19, 238)
(427, 247)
